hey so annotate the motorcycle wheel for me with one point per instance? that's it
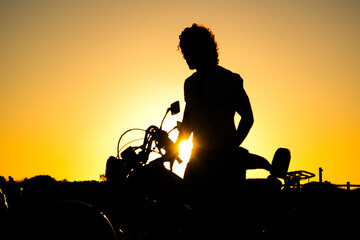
(70, 220)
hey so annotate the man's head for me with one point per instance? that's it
(198, 46)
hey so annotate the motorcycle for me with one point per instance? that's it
(146, 200)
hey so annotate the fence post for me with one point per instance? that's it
(320, 174)
(348, 186)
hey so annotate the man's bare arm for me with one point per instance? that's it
(247, 118)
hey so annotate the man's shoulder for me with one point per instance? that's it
(224, 70)
(229, 75)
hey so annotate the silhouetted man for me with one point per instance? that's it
(213, 95)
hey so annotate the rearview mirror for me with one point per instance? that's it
(175, 108)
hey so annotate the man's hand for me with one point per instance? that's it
(172, 154)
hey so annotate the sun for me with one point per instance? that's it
(185, 150)
(184, 154)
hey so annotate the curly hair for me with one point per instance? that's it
(200, 41)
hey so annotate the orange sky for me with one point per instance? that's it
(74, 75)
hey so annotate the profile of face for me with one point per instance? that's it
(195, 60)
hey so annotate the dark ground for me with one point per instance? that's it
(316, 211)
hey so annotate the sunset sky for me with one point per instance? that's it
(74, 75)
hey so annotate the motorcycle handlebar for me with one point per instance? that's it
(162, 141)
